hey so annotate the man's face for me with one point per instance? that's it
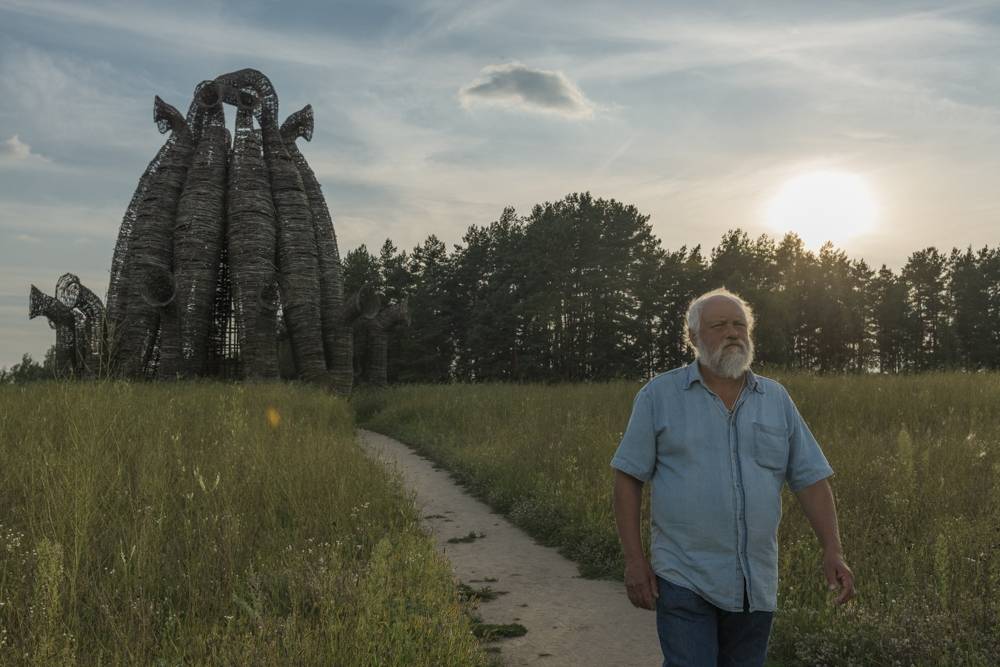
(723, 339)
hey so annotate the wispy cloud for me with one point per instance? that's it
(74, 103)
(28, 238)
(15, 150)
(681, 42)
(208, 33)
(522, 87)
(912, 58)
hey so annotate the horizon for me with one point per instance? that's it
(434, 116)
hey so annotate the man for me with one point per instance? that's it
(718, 443)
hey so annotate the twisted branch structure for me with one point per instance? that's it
(357, 309)
(166, 118)
(378, 340)
(198, 239)
(147, 284)
(62, 319)
(71, 293)
(224, 243)
(298, 261)
(336, 343)
(362, 305)
(251, 244)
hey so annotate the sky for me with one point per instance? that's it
(433, 115)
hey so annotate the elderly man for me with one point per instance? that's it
(718, 443)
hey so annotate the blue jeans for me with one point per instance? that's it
(694, 633)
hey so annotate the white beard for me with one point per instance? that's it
(729, 362)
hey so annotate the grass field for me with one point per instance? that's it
(917, 461)
(211, 524)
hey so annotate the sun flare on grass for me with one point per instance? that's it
(823, 206)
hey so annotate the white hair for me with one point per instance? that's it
(693, 317)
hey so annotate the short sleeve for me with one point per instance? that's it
(806, 462)
(636, 453)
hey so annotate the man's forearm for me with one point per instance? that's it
(818, 505)
(627, 502)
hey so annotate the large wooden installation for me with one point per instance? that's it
(378, 329)
(77, 315)
(226, 243)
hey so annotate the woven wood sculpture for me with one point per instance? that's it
(199, 231)
(361, 307)
(89, 329)
(251, 245)
(226, 243)
(378, 340)
(68, 358)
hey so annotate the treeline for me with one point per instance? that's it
(581, 289)
(29, 370)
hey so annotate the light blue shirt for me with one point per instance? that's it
(716, 481)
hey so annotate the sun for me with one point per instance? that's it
(822, 206)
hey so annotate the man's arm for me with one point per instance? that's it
(817, 503)
(640, 581)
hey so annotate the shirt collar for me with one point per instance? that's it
(694, 375)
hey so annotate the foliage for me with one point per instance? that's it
(210, 524)
(581, 289)
(29, 370)
(917, 464)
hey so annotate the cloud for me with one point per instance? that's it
(202, 32)
(28, 238)
(84, 108)
(519, 86)
(13, 149)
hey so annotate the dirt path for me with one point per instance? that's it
(570, 621)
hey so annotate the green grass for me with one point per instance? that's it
(917, 462)
(210, 524)
(481, 594)
(492, 631)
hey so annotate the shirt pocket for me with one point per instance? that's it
(770, 446)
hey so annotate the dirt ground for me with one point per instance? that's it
(570, 621)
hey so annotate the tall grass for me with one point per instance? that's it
(209, 524)
(917, 463)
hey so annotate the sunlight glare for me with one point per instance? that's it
(823, 206)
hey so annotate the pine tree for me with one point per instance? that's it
(891, 317)
(927, 332)
(427, 352)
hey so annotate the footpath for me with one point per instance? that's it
(570, 621)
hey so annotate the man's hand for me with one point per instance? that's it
(640, 582)
(817, 503)
(838, 576)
